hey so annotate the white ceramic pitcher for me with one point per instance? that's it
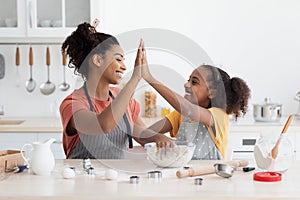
(41, 160)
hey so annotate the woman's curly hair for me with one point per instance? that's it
(231, 94)
(82, 43)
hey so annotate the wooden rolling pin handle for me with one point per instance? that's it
(30, 56)
(209, 169)
(203, 170)
(17, 56)
(237, 163)
(64, 58)
(48, 56)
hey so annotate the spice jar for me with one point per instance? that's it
(150, 104)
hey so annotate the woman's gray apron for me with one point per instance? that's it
(197, 133)
(105, 146)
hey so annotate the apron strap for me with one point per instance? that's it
(124, 116)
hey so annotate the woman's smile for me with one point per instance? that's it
(120, 74)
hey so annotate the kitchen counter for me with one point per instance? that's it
(240, 186)
(31, 125)
(41, 125)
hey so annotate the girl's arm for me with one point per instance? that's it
(178, 102)
(154, 133)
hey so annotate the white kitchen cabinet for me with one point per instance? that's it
(241, 144)
(46, 18)
(15, 141)
(12, 18)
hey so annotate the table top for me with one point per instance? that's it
(241, 185)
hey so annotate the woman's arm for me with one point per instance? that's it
(91, 123)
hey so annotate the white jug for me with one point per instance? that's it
(41, 160)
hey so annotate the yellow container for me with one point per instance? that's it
(165, 111)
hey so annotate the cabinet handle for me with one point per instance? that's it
(30, 13)
(249, 142)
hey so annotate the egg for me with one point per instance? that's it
(111, 174)
(68, 173)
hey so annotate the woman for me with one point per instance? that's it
(99, 120)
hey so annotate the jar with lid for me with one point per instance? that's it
(150, 104)
(263, 148)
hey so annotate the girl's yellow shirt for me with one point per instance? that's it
(221, 122)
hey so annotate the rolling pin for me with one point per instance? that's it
(208, 169)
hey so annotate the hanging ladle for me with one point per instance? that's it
(30, 84)
(64, 86)
(48, 87)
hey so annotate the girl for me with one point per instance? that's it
(99, 120)
(201, 116)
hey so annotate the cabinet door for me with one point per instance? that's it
(240, 145)
(57, 146)
(56, 18)
(297, 146)
(12, 18)
(11, 141)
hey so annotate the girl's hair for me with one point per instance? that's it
(82, 43)
(230, 94)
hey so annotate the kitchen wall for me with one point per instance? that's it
(16, 100)
(255, 40)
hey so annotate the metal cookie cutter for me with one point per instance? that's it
(86, 163)
(134, 179)
(90, 170)
(155, 174)
(198, 181)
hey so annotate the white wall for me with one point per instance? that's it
(256, 40)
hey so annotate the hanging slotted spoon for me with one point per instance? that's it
(48, 87)
(30, 84)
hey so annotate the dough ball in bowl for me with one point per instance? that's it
(177, 156)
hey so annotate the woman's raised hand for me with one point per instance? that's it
(141, 68)
(139, 61)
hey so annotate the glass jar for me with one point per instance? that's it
(263, 157)
(150, 104)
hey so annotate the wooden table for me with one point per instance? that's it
(241, 186)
